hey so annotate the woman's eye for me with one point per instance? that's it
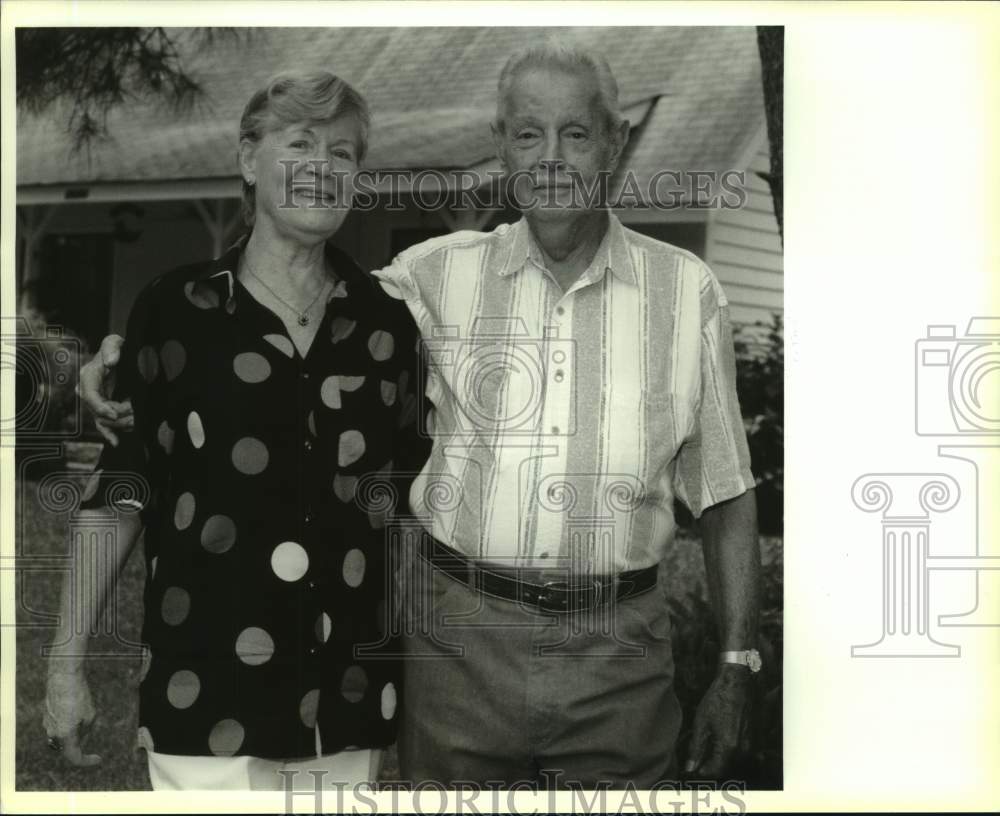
(299, 144)
(343, 154)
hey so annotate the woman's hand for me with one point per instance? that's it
(97, 383)
(69, 710)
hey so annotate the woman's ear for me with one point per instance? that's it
(247, 155)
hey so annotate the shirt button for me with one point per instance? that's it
(559, 375)
(543, 555)
(308, 518)
(560, 310)
(555, 429)
(308, 445)
(312, 585)
(305, 375)
(314, 650)
(558, 356)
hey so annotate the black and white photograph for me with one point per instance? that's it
(394, 413)
(337, 309)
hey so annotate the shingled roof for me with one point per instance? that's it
(697, 92)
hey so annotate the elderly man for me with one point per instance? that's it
(579, 377)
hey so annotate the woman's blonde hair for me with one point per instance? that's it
(287, 98)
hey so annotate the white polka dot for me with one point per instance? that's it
(165, 436)
(218, 534)
(388, 392)
(351, 383)
(195, 429)
(353, 684)
(388, 701)
(251, 367)
(309, 707)
(226, 738)
(281, 343)
(148, 363)
(354, 567)
(250, 456)
(341, 329)
(183, 689)
(344, 487)
(352, 447)
(144, 739)
(289, 561)
(254, 646)
(324, 626)
(175, 606)
(381, 345)
(173, 357)
(184, 512)
(202, 296)
(329, 392)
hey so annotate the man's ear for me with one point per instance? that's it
(247, 156)
(496, 131)
(619, 138)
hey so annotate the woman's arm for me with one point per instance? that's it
(97, 561)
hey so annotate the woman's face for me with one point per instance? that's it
(304, 176)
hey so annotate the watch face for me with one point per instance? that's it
(753, 660)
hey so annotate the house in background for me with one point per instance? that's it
(94, 227)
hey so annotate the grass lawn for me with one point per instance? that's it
(42, 538)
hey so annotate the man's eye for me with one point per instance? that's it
(299, 144)
(343, 154)
(577, 135)
(526, 135)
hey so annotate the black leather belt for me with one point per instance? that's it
(571, 595)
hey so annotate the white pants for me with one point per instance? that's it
(178, 772)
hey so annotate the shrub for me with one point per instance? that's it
(760, 368)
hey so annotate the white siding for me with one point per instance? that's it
(743, 247)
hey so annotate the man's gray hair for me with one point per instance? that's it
(569, 57)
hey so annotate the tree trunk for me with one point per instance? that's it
(771, 44)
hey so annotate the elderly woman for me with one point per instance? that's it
(264, 383)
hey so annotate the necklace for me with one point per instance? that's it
(302, 316)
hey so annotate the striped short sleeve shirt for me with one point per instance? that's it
(564, 424)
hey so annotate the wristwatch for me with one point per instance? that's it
(749, 658)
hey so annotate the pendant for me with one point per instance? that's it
(303, 320)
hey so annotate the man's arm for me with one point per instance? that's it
(732, 566)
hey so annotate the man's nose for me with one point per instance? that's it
(552, 153)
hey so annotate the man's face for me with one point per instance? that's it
(556, 141)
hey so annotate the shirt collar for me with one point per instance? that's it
(612, 254)
(220, 274)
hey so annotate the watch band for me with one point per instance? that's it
(748, 657)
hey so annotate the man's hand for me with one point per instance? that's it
(97, 383)
(69, 709)
(720, 724)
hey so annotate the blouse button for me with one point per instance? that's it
(308, 445)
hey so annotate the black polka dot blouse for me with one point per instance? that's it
(266, 573)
